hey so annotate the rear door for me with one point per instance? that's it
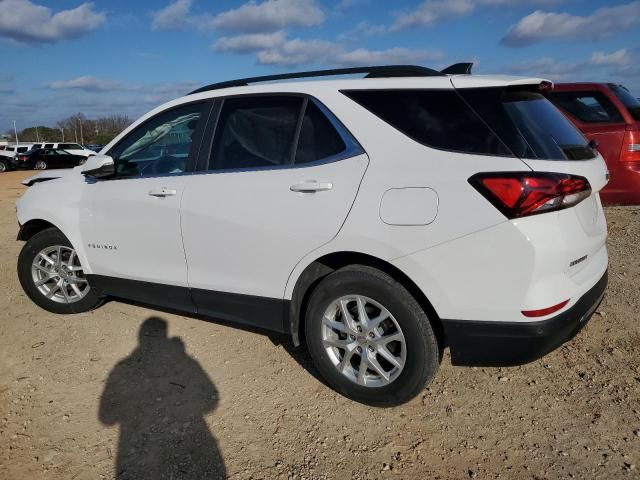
(278, 182)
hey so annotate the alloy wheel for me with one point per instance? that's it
(363, 341)
(40, 165)
(58, 275)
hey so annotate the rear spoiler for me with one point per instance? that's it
(458, 69)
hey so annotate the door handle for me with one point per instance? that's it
(163, 192)
(311, 186)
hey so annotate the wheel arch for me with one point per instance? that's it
(30, 228)
(323, 266)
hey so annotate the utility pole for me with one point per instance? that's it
(81, 135)
(62, 131)
(76, 134)
(15, 132)
(37, 135)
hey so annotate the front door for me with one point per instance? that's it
(131, 222)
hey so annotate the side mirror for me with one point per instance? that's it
(593, 144)
(99, 166)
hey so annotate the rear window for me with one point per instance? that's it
(528, 124)
(629, 101)
(587, 107)
(435, 118)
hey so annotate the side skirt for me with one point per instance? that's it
(261, 312)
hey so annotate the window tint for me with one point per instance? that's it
(159, 146)
(48, 145)
(318, 138)
(22, 149)
(436, 118)
(588, 107)
(36, 145)
(255, 132)
(629, 101)
(529, 124)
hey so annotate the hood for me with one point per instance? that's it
(47, 175)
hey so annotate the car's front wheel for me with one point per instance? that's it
(3, 166)
(40, 165)
(369, 337)
(52, 276)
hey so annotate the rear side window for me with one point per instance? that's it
(48, 145)
(255, 132)
(629, 101)
(435, 118)
(530, 125)
(587, 107)
(69, 146)
(22, 149)
(318, 138)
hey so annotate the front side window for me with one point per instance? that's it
(160, 146)
(255, 132)
(587, 107)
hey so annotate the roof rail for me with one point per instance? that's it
(381, 71)
(463, 68)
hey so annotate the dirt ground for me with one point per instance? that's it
(110, 394)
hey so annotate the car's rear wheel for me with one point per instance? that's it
(51, 274)
(3, 166)
(40, 165)
(369, 338)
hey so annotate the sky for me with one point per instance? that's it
(58, 58)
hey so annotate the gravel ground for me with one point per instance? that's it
(112, 394)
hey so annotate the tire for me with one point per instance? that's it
(40, 165)
(58, 250)
(3, 166)
(380, 294)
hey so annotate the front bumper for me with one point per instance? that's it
(495, 344)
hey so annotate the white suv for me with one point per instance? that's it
(379, 219)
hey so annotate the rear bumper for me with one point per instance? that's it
(483, 343)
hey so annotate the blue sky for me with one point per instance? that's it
(126, 57)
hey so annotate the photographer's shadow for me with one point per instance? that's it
(159, 395)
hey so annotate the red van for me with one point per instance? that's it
(610, 115)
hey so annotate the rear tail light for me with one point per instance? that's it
(519, 194)
(630, 147)
(23, 158)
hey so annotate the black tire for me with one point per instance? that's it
(37, 243)
(4, 166)
(40, 165)
(422, 347)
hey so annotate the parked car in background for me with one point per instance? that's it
(95, 148)
(20, 148)
(610, 115)
(5, 160)
(73, 148)
(44, 158)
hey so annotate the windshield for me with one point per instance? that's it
(629, 101)
(528, 124)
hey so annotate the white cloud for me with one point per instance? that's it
(269, 16)
(619, 58)
(87, 83)
(175, 16)
(363, 29)
(298, 52)
(540, 26)
(27, 22)
(362, 56)
(250, 42)
(429, 12)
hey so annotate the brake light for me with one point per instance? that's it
(544, 311)
(23, 158)
(519, 194)
(630, 147)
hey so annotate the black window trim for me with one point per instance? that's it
(352, 146)
(196, 144)
(587, 93)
